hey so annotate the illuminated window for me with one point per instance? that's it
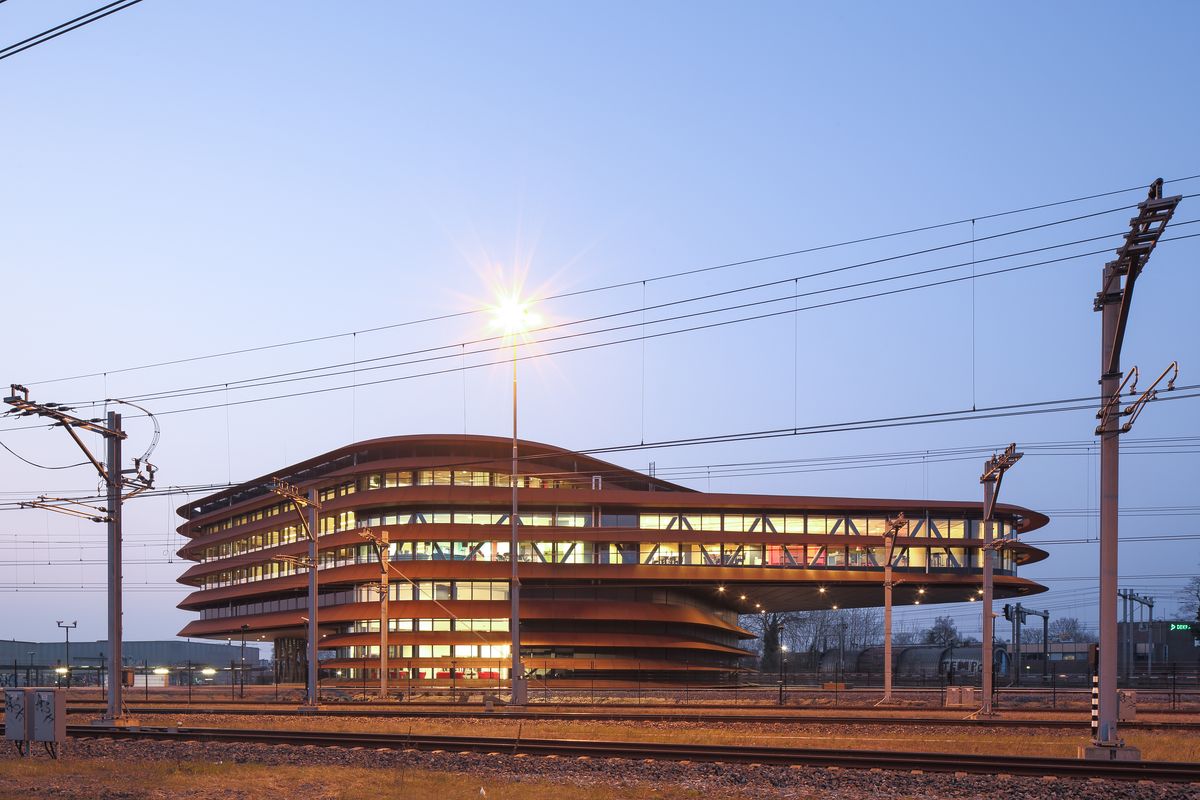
(393, 480)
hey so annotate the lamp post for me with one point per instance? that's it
(67, 626)
(514, 317)
(29, 672)
(782, 652)
(242, 668)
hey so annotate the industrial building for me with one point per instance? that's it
(36, 663)
(622, 574)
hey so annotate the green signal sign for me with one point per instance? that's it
(1181, 626)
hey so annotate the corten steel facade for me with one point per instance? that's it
(623, 576)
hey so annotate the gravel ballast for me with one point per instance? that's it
(711, 780)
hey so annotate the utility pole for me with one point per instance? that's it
(306, 507)
(116, 479)
(1114, 300)
(992, 477)
(67, 630)
(382, 551)
(895, 524)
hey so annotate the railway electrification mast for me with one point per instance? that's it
(993, 475)
(380, 544)
(894, 526)
(121, 484)
(306, 507)
(1113, 301)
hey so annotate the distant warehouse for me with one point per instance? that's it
(622, 574)
(85, 656)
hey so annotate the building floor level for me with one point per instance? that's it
(621, 573)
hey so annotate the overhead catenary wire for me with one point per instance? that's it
(815, 465)
(597, 345)
(1163, 445)
(324, 371)
(1012, 409)
(41, 466)
(66, 27)
(613, 286)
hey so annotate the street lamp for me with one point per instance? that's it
(242, 671)
(782, 652)
(513, 317)
(67, 626)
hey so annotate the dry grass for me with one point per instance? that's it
(1155, 745)
(28, 779)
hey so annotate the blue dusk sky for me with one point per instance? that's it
(185, 179)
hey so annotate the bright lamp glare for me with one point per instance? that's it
(513, 315)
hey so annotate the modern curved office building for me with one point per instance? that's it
(622, 574)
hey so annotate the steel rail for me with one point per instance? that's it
(782, 756)
(628, 716)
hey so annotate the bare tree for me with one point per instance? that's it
(767, 627)
(1189, 604)
(1070, 629)
(1031, 634)
(906, 635)
(943, 632)
(807, 634)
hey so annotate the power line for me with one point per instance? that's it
(619, 285)
(593, 346)
(1145, 445)
(995, 411)
(66, 27)
(40, 466)
(766, 468)
(357, 366)
(1009, 410)
(1178, 537)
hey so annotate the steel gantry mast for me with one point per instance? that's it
(993, 475)
(306, 507)
(894, 526)
(1113, 301)
(380, 544)
(116, 481)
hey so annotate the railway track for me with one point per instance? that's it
(577, 748)
(632, 716)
